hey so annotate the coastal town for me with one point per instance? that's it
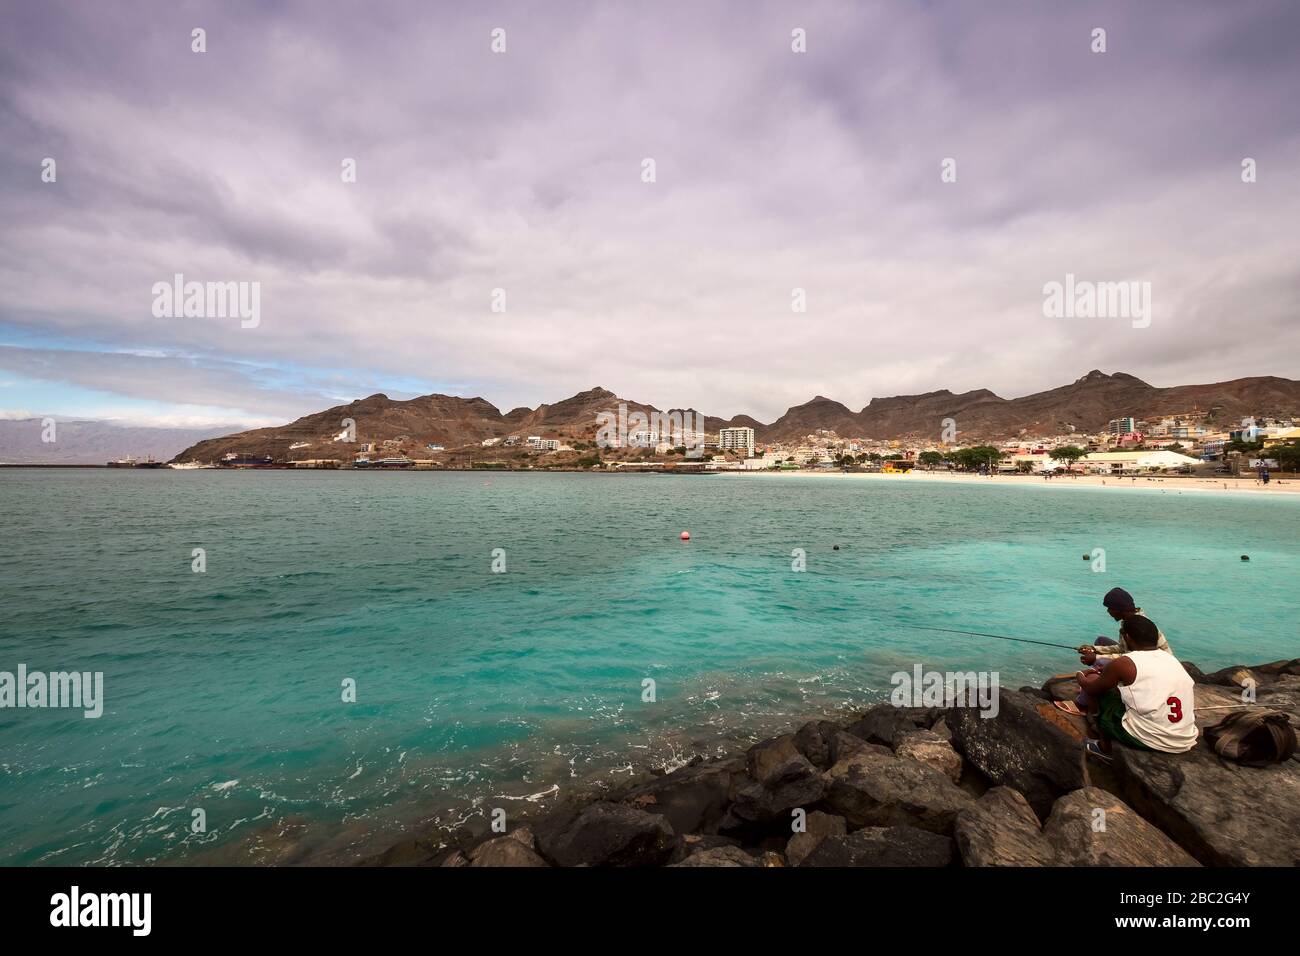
(1187, 444)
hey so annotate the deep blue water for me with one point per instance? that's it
(477, 689)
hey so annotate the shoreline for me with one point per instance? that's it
(928, 786)
(1165, 483)
(1177, 483)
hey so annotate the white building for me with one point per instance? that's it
(1109, 462)
(734, 439)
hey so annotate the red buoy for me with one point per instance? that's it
(686, 536)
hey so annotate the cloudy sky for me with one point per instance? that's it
(522, 171)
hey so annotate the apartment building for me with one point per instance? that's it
(734, 439)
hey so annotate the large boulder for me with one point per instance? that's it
(780, 779)
(819, 826)
(693, 799)
(777, 761)
(844, 744)
(882, 790)
(516, 848)
(1222, 813)
(815, 740)
(1235, 676)
(1282, 693)
(606, 834)
(1091, 827)
(941, 728)
(1001, 829)
(720, 856)
(1062, 687)
(932, 750)
(882, 846)
(885, 724)
(1030, 746)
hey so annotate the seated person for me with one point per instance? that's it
(1120, 606)
(1144, 697)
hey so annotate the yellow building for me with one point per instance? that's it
(1284, 437)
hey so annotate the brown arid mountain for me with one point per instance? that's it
(1085, 405)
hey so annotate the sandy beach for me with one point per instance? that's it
(1161, 483)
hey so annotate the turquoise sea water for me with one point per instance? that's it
(477, 689)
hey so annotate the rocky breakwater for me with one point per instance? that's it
(909, 786)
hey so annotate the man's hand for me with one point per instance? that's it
(1088, 654)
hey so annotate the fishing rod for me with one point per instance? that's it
(1000, 637)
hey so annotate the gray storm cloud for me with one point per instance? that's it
(775, 170)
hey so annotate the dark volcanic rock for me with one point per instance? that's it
(819, 826)
(720, 856)
(815, 740)
(1237, 675)
(844, 744)
(885, 724)
(694, 842)
(941, 728)
(1062, 687)
(1001, 829)
(1029, 746)
(932, 750)
(1221, 813)
(1075, 834)
(777, 761)
(693, 799)
(514, 849)
(606, 834)
(883, 846)
(881, 790)
(780, 779)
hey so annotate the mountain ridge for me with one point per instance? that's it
(1084, 405)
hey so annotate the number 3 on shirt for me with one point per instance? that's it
(1175, 710)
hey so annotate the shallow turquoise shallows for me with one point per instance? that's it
(474, 690)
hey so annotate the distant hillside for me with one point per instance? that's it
(1085, 405)
(93, 442)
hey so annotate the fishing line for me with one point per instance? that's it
(1000, 637)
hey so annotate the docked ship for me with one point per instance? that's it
(234, 460)
(132, 462)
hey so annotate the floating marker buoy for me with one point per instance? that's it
(1245, 557)
(686, 536)
(1087, 558)
(835, 548)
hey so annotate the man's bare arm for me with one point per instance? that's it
(1121, 671)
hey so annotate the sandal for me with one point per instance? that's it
(1069, 706)
(1094, 747)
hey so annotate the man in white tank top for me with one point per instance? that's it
(1145, 697)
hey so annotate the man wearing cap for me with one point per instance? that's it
(1119, 605)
